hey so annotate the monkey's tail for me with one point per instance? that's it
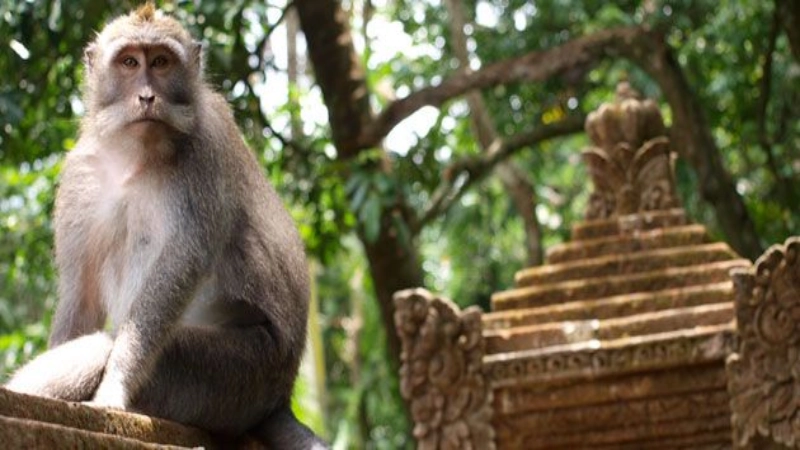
(282, 431)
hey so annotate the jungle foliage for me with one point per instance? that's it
(417, 203)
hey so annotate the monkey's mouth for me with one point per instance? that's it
(148, 120)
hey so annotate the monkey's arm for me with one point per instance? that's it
(166, 292)
(78, 313)
(80, 310)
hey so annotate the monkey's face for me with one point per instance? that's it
(146, 88)
(142, 74)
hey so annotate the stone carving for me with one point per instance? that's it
(630, 164)
(441, 373)
(590, 356)
(667, 410)
(764, 376)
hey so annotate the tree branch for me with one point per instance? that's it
(782, 185)
(338, 73)
(691, 135)
(789, 11)
(515, 180)
(534, 66)
(462, 174)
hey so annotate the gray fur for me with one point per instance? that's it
(168, 230)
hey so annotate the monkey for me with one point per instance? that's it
(183, 286)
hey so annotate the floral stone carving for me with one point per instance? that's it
(630, 164)
(441, 373)
(764, 376)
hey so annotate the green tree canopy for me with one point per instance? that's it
(406, 136)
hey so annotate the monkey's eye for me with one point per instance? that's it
(159, 62)
(130, 62)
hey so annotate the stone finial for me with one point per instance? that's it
(441, 373)
(630, 162)
(764, 375)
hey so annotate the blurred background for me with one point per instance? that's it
(384, 203)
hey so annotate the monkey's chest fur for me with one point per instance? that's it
(129, 223)
(128, 230)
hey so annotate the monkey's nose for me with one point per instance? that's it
(147, 100)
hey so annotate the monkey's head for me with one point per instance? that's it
(143, 70)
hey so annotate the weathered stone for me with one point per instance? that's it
(621, 244)
(616, 306)
(644, 261)
(567, 332)
(442, 372)
(619, 341)
(94, 420)
(29, 422)
(595, 288)
(764, 373)
(630, 163)
(704, 425)
(30, 434)
(628, 224)
(592, 359)
(567, 394)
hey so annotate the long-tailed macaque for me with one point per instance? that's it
(166, 226)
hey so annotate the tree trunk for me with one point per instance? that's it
(394, 263)
(292, 30)
(691, 136)
(790, 14)
(514, 179)
(337, 70)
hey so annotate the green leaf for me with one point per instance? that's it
(370, 216)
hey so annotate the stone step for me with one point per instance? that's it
(637, 420)
(611, 307)
(88, 422)
(24, 434)
(647, 260)
(629, 243)
(575, 290)
(592, 229)
(564, 333)
(711, 440)
(596, 358)
(708, 427)
(543, 397)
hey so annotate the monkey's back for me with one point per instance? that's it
(262, 264)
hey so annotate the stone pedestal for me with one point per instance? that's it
(621, 343)
(618, 341)
(764, 372)
(28, 422)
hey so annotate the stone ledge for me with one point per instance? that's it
(615, 419)
(595, 358)
(30, 434)
(644, 261)
(562, 333)
(611, 307)
(592, 229)
(639, 241)
(543, 397)
(560, 292)
(712, 429)
(46, 419)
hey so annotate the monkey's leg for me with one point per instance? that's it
(219, 379)
(228, 380)
(72, 371)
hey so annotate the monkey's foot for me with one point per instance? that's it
(110, 400)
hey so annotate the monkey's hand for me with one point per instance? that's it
(103, 403)
(110, 394)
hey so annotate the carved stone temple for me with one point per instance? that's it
(621, 339)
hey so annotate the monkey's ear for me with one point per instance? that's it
(88, 56)
(197, 56)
